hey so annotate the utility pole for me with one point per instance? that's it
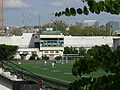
(1, 17)
(111, 30)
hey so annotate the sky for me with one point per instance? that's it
(33, 12)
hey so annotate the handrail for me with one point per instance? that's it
(33, 76)
(20, 67)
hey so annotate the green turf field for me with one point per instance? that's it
(60, 72)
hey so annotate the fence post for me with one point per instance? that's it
(2, 64)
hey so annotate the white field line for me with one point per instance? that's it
(52, 78)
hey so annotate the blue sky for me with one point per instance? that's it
(26, 12)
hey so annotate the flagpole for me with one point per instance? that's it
(56, 25)
(49, 25)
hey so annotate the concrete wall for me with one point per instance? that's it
(26, 42)
(88, 41)
(5, 84)
(29, 52)
(21, 41)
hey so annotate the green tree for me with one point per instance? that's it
(99, 52)
(67, 50)
(93, 6)
(77, 30)
(104, 31)
(58, 58)
(16, 31)
(58, 25)
(45, 57)
(106, 60)
(82, 51)
(7, 51)
(34, 57)
(70, 50)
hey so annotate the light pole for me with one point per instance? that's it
(111, 29)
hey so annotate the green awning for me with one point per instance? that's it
(116, 31)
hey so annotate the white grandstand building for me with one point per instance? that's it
(87, 41)
(53, 45)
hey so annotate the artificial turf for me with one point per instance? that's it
(60, 72)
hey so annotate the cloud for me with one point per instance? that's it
(56, 3)
(15, 4)
(65, 2)
(116, 16)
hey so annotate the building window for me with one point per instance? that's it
(36, 37)
(45, 51)
(51, 51)
(57, 51)
(55, 41)
(52, 42)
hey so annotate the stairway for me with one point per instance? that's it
(20, 76)
(12, 76)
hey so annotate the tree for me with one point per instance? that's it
(93, 6)
(7, 51)
(109, 62)
(45, 57)
(70, 50)
(82, 51)
(98, 52)
(16, 31)
(102, 27)
(67, 50)
(34, 57)
(104, 31)
(58, 25)
(58, 58)
(78, 30)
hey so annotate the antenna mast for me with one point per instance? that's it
(1, 17)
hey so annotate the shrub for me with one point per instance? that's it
(58, 58)
(45, 57)
(34, 57)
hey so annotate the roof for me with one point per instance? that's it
(51, 32)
